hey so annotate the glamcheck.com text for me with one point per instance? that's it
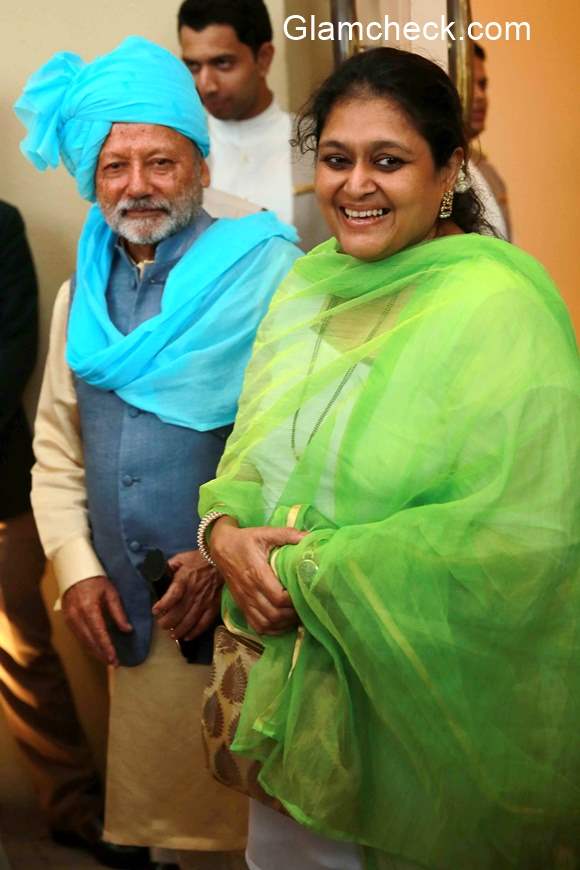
(299, 27)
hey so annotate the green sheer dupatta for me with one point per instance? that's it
(432, 709)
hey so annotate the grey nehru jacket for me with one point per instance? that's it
(142, 475)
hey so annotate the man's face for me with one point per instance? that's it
(149, 182)
(479, 105)
(230, 79)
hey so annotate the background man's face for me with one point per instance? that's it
(149, 181)
(479, 105)
(228, 76)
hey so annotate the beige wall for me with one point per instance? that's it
(534, 130)
(308, 63)
(54, 212)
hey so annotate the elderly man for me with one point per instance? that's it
(227, 46)
(148, 346)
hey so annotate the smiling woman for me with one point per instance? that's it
(376, 181)
(412, 410)
(390, 135)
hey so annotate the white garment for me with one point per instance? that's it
(277, 841)
(491, 209)
(219, 204)
(252, 159)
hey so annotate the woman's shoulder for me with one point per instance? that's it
(487, 251)
(481, 292)
(474, 253)
(478, 268)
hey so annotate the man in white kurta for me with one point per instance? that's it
(227, 45)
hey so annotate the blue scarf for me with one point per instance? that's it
(186, 364)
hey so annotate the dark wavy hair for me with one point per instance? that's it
(249, 18)
(422, 90)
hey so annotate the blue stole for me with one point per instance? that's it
(186, 364)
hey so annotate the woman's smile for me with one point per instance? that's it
(368, 216)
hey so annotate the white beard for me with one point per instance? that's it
(175, 215)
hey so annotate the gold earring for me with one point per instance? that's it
(446, 205)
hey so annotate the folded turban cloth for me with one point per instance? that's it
(69, 106)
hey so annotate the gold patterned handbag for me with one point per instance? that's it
(235, 653)
(233, 658)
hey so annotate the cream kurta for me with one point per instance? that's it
(187, 809)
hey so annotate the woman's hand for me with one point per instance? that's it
(241, 556)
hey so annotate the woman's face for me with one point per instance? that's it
(376, 182)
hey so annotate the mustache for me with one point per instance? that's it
(142, 203)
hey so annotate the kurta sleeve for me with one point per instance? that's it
(59, 497)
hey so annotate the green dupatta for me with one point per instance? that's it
(433, 709)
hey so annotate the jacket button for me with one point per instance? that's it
(134, 546)
(127, 480)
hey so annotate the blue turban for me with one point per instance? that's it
(69, 106)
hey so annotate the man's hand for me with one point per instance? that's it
(85, 606)
(192, 602)
(242, 557)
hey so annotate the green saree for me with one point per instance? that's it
(424, 413)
